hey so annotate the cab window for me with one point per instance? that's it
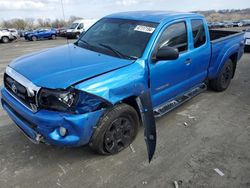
(80, 26)
(175, 35)
(198, 30)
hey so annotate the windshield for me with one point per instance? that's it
(73, 25)
(118, 37)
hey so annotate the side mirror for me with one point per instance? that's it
(167, 53)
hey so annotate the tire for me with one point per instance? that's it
(78, 35)
(34, 38)
(5, 39)
(115, 131)
(222, 82)
(53, 37)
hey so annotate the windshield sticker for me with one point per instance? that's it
(144, 29)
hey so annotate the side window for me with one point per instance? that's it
(80, 26)
(175, 35)
(198, 31)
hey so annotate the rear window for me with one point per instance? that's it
(199, 36)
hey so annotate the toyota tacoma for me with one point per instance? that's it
(127, 69)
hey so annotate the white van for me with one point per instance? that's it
(79, 26)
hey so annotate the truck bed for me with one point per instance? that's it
(219, 34)
(223, 45)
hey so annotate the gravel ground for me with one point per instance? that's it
(217, 135)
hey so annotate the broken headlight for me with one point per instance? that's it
(70, 101)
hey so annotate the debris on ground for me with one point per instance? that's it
(132, 148)
(219, 172)
(144, 182)
(185, 124)
(176, 184)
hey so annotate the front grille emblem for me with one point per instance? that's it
(13, 88)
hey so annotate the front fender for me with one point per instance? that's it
(119, 84)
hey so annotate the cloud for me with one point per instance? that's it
(127, 2)
(21, 5)
(132, 2)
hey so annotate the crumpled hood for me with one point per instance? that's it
(63, 66)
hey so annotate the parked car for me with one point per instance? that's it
(6, 36)
(247, 38)
(218, 25)
(62, 32)
(126, 69)
(79, 26)
(15, 33)
(228, 24)
(245, 22)
(237, 24)
(41, 34)
(21, 33)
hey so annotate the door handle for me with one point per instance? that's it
(188, 61)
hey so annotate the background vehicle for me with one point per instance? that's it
(6, 36)
(237, 24)
(128, 68)
(79, 26)
(247, 37)
(228, 24)
(245, 22)
(218, 25)
(15, 33)
(62, 32)
(41, 34)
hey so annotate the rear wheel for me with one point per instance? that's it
(116, 130)
(5, 39)
(222, 82)
(34, 38)
(53, 37)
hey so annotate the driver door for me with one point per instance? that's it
(169, 78)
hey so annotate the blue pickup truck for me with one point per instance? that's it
(126, 70)
(40, 34)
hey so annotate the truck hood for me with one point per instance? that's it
(63, 66)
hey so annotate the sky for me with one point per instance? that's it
(99, 8)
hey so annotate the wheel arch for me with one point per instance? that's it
(234, 58)
(131, 101)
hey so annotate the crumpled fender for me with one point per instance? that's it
(129, 81)
(148, 120)
(117, 85)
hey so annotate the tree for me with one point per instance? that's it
(73, 18)
(30, 23)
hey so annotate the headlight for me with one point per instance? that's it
(71, 101)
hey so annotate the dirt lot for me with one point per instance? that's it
(217, 135)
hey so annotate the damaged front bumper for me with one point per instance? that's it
(44, 125)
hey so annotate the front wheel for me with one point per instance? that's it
(116, 130)
(5, 39)
(78, 35)
(223, 80)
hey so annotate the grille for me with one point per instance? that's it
(20, 92)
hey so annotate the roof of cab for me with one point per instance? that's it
(151, 16)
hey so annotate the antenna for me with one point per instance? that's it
(64, 18)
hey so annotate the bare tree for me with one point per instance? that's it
(73, 18)
(30, 22)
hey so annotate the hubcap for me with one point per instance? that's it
(226, 75)
(119, 135)
(5, 40)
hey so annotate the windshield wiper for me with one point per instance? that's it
(119, 54)
(84, 41)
